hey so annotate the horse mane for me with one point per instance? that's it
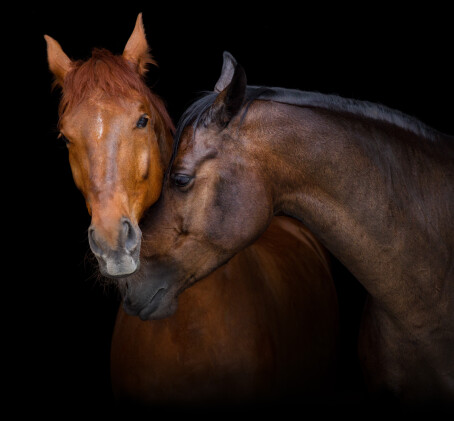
(196, 112)
(369, 110)
(112, 75)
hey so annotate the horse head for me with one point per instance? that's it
(214, 203)
(117, 134)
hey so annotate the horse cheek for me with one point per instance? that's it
(235, 222)
(77, 173)
(153, 185)
(154, 173)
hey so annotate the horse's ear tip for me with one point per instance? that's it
(229, 60)
(139, 20)
(52, 44)
(226, 55)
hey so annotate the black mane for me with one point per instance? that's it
(195, 113)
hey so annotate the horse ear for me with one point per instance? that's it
(232, 90)
(59, 63)
(137, 51)
(228, 69)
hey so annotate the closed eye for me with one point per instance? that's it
(181, 180)
(64, 138)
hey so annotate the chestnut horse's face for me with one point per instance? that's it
(115, 162)
(116, 132)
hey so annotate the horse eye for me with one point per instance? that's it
(142, 122)
(181, 180)
(64, 138)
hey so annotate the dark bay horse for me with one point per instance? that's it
(262, 326)
(375, 185)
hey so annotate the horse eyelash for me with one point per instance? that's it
(64, 138)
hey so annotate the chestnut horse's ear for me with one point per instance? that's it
(232, 90)
(59, 63)
(137, 51)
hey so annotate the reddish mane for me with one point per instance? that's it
(110, 74)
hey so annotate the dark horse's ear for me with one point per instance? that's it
(231, 86)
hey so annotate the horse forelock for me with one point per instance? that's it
(194, 115)
(111, 75)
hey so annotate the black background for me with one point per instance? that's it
(58, 318)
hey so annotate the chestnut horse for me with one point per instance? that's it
(264, 325)
(375, 185)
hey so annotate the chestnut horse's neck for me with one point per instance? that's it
(340, 169)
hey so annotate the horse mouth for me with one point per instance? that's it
(161, 303)
(119, 268)
(153, 304)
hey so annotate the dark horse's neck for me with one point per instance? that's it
(376, 193)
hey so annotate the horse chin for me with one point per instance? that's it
(162, 304)
(155, 311)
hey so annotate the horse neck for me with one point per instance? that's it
(353, 183)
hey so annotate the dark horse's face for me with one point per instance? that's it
(214, 203)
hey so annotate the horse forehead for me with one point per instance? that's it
(201, 139)
(195, 146)
(93, 118)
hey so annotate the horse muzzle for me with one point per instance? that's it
(122, 259)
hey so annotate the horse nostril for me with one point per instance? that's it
(95, 248)
(129, 235)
